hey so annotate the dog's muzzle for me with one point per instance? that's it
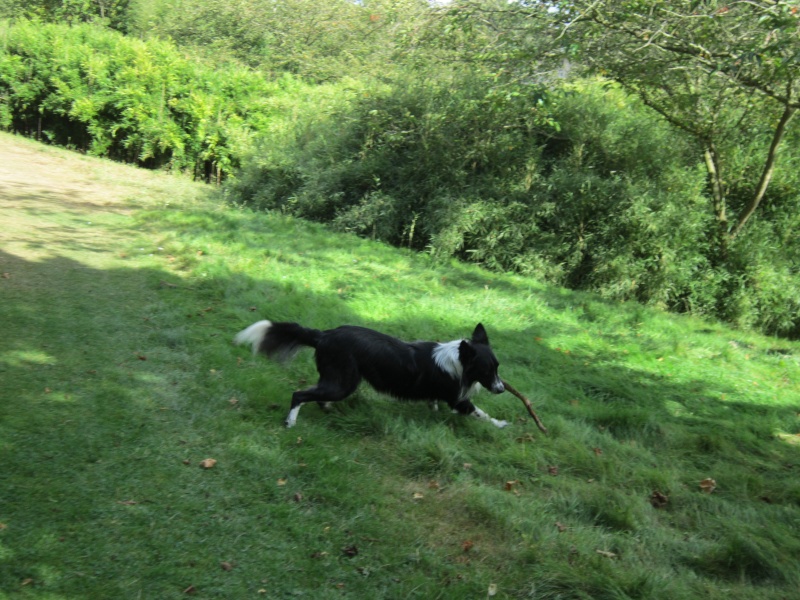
(498, 387)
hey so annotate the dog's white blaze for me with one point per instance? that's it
(482, 415)
(253, 335)
(445, 356)
(468, 393)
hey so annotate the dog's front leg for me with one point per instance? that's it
(465, 407)
(482, 415)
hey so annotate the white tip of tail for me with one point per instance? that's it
(253, 335)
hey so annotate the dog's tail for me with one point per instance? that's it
(279, 340)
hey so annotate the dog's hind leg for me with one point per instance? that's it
(336, 382)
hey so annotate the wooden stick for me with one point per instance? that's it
(510, 388)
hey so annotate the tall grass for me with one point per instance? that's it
(119, 377)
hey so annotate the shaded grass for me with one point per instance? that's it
(120, 377)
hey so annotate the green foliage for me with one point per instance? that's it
(318, 41)
(389, 160)
(114, 13)
(582, 186)
(143, 102)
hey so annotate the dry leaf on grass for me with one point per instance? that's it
(208, 463)
(606, 553)
(658, 500)
(708, 485)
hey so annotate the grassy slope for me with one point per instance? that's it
(119, 378)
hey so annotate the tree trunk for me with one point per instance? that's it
(766, 174)
(718, 195)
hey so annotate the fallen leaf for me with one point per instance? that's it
(262, 591)
(467, 465)
(708, 485)
(606, 553)
(141, 357)
(233, 401)
(418, 495)
(226, 566)
(467, 545)
(186, 461)
(597, 451)
(509, 486)
(27, 581)
(319, 554)
(561, 528)
(208, 463)
(350, 551)
(433, 485)
(553, 470)
(658, 500)
(190, 590)
(281, 482)
(492, 591)
(298, 497)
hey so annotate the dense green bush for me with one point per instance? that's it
(582, 186)
(143, 102)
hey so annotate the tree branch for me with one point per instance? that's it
(766, 174)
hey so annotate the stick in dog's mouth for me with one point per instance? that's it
(527, 403)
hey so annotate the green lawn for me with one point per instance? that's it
(118, 377)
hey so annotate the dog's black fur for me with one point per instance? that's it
(452, 372)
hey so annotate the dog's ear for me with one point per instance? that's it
(479, 335)
(466, 352)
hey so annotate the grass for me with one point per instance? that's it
(119, 378)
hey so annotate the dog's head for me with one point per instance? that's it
(479, 362)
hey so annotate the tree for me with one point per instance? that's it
(720, 71)
(709, 68)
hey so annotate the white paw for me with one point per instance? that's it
(500, 424)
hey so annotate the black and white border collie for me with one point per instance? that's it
(452, 372)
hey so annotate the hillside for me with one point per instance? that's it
(671, 468)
